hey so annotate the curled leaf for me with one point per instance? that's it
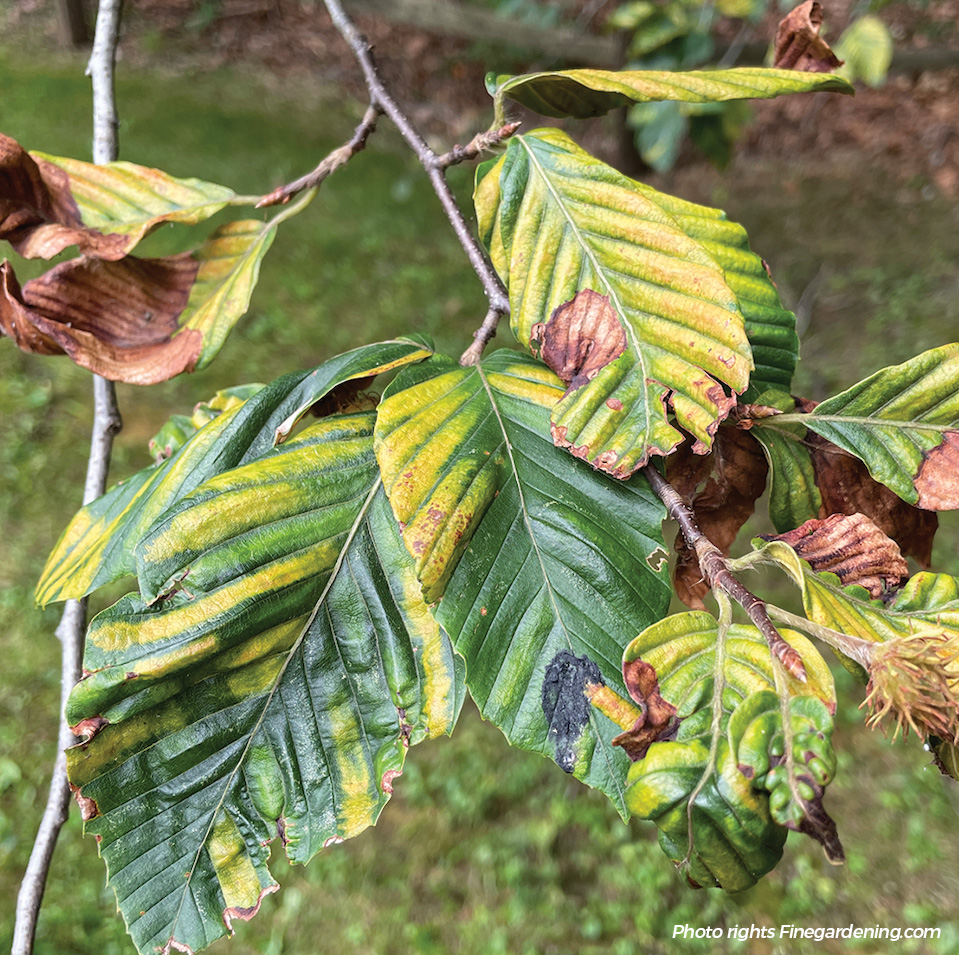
(732, 477)
(852, 548)
(798, 43)
(657, 719)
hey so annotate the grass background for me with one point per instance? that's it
(484, 849)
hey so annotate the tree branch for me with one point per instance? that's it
(329, 165)
(479, 143)
(716, 572)
(106, 423)
(381, 98)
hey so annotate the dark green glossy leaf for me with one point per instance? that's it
(545, 568)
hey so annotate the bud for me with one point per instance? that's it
(914, 680)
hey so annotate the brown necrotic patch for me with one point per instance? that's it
(581, 338)
(798, 43)
(657, 720)
(938, 479)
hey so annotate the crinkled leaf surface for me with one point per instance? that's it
(98, 544)
(543, 568)
(903, 423)
(770, 328)
(584, 93)
(140, 321)
(735, 839)
(271, 689)
(559, 224)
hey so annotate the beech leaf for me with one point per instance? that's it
(799, 46)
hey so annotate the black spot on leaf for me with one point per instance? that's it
(565, 704)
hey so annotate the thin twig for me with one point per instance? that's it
(106, 423)
(479, 143)
(380, 97)
(716, 572)
(339, 157)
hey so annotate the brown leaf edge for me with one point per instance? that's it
(733, 478)
(39, 216)
(117, 319)
(852, 547)
(799, 46)
(657, 720)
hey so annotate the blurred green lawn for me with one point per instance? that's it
(484, 849)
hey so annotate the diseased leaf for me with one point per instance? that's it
(735, 839)
(543, 568)
(795, 782)
(657, 720)
(852, 548)
(48, 203)
(903, 423)
(722, 488)
(141, 321)
(558, 224)
(97, 546)
(585, 93)
(798, 44)
(271, 690)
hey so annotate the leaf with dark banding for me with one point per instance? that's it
(543, 568)
(270, 690)
(852, 548)
(559, 224)
(902, 422)
(585, 93)
(735, 838)
(98, 544)
(48, 203)
(141, 321)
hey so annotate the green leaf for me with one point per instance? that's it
(562, 228)
(866, 49)
(585, 93)
(273, 694)
(735, 840)
(902, 422)
(793, 495)
(121, 198)
(660, 130)
(794, 765)
(97, 546)
(545, 568)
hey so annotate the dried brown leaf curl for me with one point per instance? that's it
(38, 214)
(798, 43)
(914, 681)
(657, 721)
(733, 477)
(852, 547)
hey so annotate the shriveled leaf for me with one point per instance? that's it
(585, 93)
(798, 44)
(559, 224)
(97, 546)
(852, 548)
(141, 321)
(723, 488)
(272, 691)
(903, 423)
(657, 718)
(735, 839)
(543, 568)
(795, 782)
(48, 203)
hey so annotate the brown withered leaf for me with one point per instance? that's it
(117, 319)
(581, 337)
(846, 487)
(798, 43)
(938, 479)
(657, 720)
(853, 548)
(734, 473)
(38, 214)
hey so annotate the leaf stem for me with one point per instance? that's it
(716, 572)
(106, 424)
(381, 99)
(329, 164)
